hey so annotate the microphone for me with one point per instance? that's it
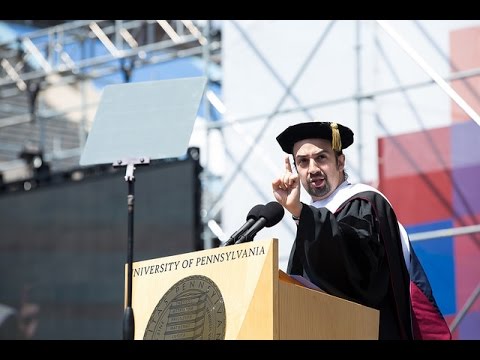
(270, 215)
(252, 217)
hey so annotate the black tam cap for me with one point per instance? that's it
(340, 136)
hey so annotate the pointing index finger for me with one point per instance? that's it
(288, 166)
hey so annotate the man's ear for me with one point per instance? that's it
(341, 162)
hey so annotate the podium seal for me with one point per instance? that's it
(192, 309)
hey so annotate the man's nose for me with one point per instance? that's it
(312, 166)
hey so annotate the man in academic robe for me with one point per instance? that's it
(348, 241)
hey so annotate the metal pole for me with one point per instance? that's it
(436, 234)
(128, 319)
(464, 310)
(118, 36)
(83, 100)
(359, 99)
(207, 237)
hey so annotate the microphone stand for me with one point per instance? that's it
(128, 318)
(247, 237)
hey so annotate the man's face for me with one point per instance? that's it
(319, 171)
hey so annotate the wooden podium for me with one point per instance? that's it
(238, 292)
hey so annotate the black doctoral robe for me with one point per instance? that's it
(356, 254)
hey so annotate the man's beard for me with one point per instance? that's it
(318, 192)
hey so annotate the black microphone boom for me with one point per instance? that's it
(252, 217)
(270, 215)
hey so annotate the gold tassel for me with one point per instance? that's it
(336, 140)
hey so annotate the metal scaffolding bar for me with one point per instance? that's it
(39, 47)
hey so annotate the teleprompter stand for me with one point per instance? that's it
(136, 123)
(128, 318)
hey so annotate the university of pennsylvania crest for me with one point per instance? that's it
(191, 309)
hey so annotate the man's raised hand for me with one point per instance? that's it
(286, 189)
